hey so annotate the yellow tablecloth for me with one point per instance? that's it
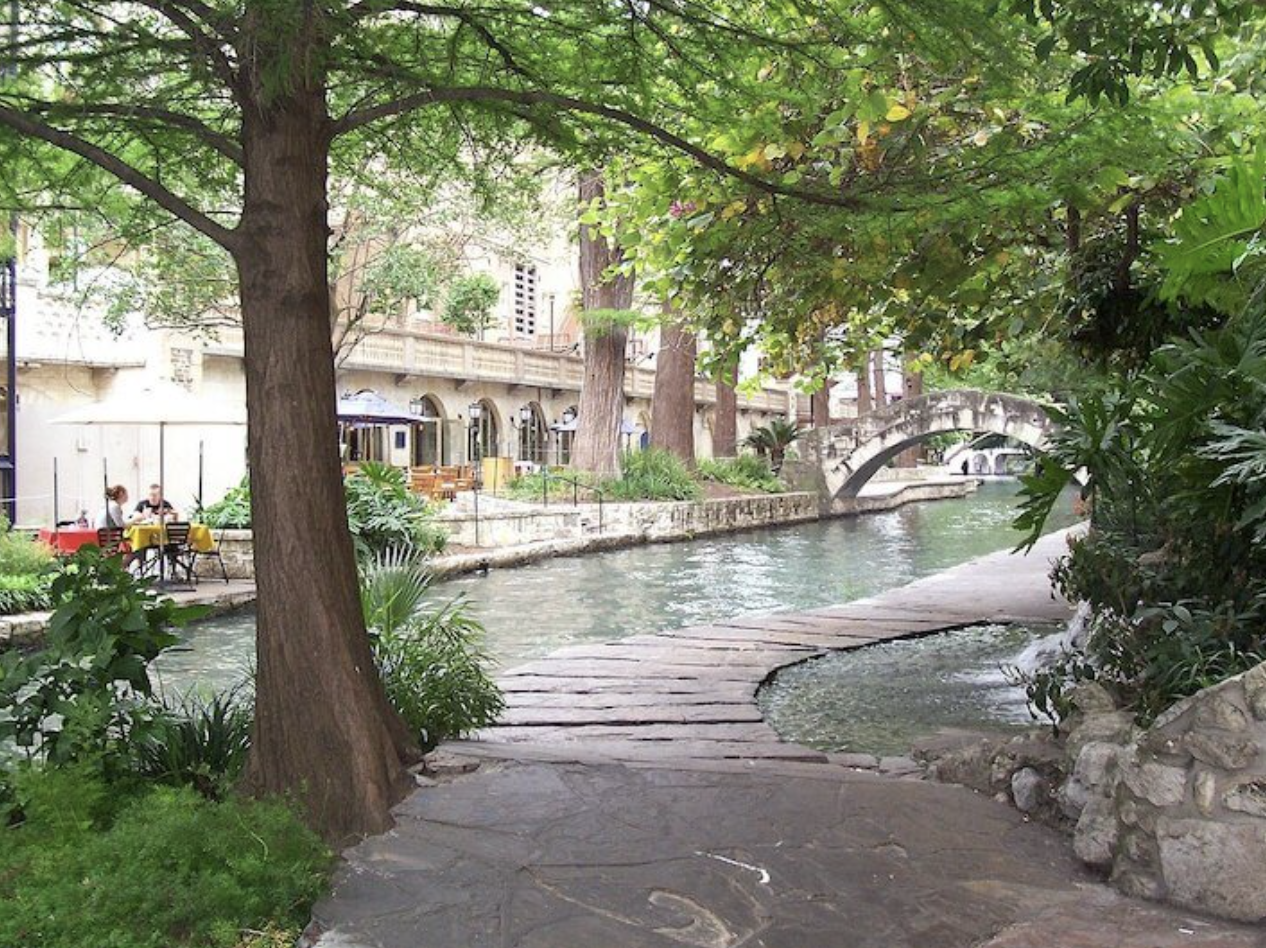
(142, 536)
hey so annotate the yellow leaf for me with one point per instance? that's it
(733, 209)
(898, 113)
(795, 149)
(754, 157)
(863, 132)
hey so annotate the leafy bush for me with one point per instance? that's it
(774, 440)
(1174, 566)
(653, 474)
(25, 592)
(431, 657)
(85, 697)
(529, 487)
(383, 513)
(747, 472)
(200, 743)
(22, 554)
(232, 511)
(154, 868)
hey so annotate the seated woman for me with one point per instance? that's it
(112, 514)
(155, 507)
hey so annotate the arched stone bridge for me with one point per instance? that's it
(851, 452)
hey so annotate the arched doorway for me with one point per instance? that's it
(483, 431)
(533, 434)
(429, 444)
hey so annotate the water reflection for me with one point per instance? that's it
(532, 610)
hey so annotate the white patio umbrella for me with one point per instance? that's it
(160, 405)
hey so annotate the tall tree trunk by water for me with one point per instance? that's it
(597, 445)
(323, 727)
(864, 404)
(820, 405)
(880, 383)
(725, 422)
(911, 387)
(673, 402)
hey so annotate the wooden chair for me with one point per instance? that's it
(110, 541)
(178, 551)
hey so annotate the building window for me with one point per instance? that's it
(524, 299)
(182, 368)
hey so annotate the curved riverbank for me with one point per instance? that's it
(631, 524)
(636, 800)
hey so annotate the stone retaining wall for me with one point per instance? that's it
(1179, 813)
(662, 521)
(238, 550)
(511, 528)
(1176, 812)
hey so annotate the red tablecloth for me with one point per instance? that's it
(68, 539)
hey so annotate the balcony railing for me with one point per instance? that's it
(409, 352)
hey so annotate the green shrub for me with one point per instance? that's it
(431, 657)
(200, 743)
(85, 697)
(653, 474)
(747, 472)
(21, 553)
(232, 511)
(383, 513)
(1174, 565)
(25, 592)
(774, 440)
(156, 868)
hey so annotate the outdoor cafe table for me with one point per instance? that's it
(143, 536)
(66, 540)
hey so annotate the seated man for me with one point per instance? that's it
(155, 507)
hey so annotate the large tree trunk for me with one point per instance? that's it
(911, 387)
(864, 403)
(820, 405)
(324, 731)
(725, 423)
(597, 445)
(673, 402)
(881, 381)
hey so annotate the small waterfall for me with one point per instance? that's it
(1043, 651)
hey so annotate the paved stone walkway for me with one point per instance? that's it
(690, 694)
(633, 798)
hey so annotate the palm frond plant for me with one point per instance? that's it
(773, 440)
(431, 656)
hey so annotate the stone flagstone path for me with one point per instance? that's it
(633, 798)
(690, 693)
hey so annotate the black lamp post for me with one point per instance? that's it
(525, 421)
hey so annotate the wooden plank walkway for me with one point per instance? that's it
(689, 694)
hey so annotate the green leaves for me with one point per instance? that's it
(1218, 240)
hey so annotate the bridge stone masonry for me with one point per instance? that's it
(839, 460)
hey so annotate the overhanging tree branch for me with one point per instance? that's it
(707, 159)
(223, 144)
(160, 194)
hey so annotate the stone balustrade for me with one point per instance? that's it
(413, 352)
